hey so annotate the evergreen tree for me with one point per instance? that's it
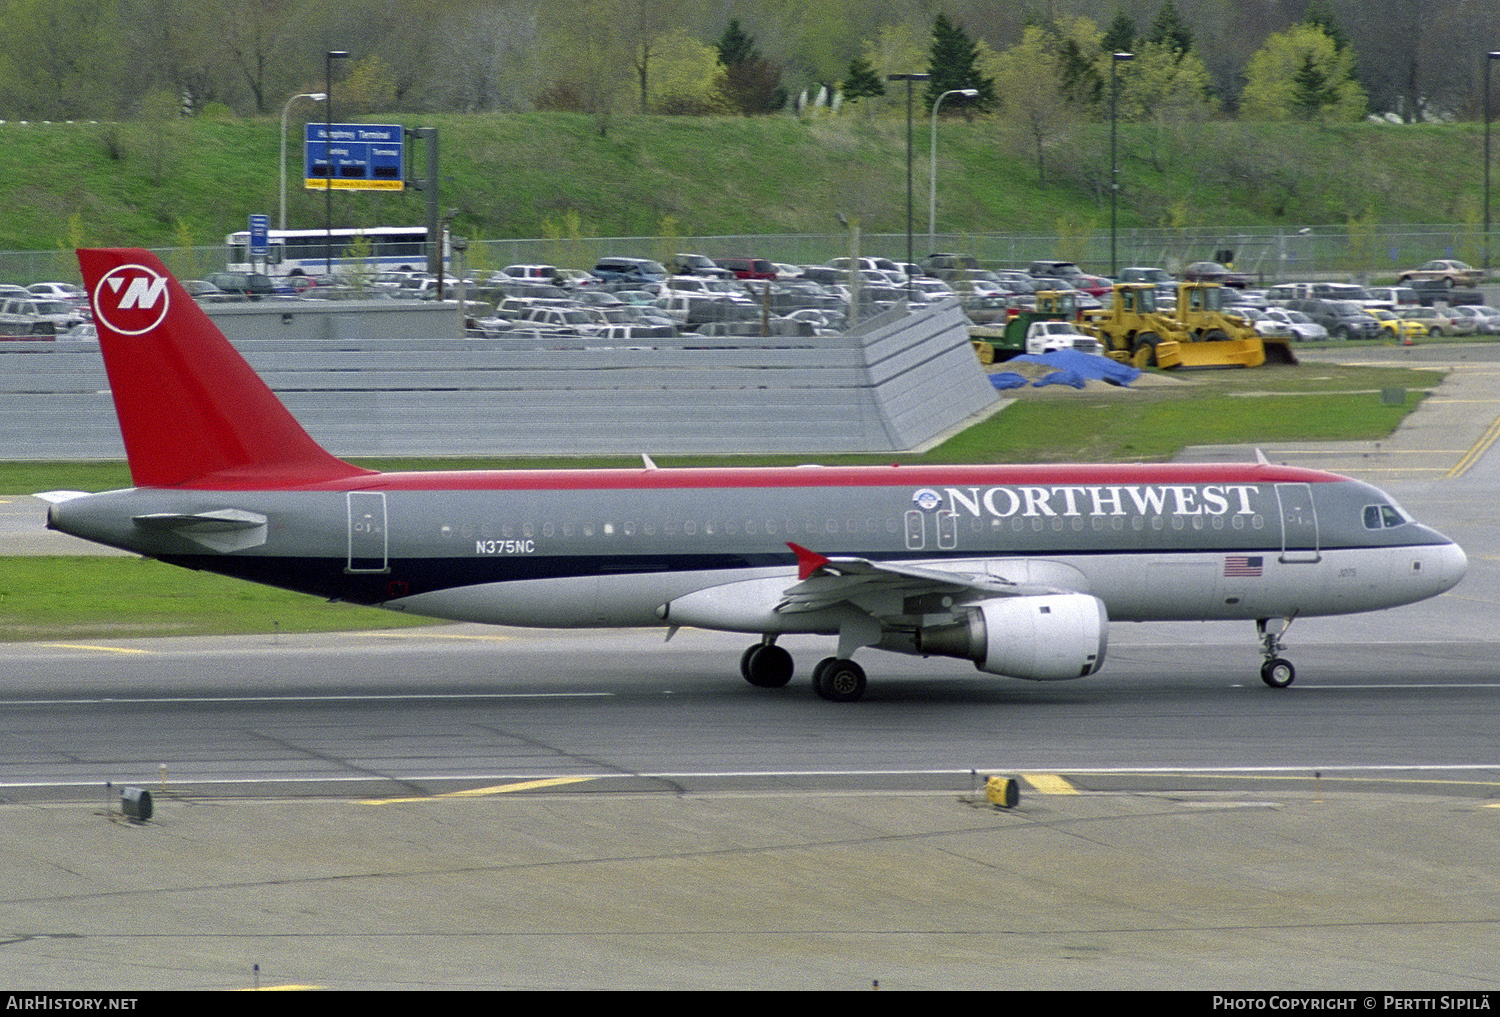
(862, 80)
(1319, 16)
(735, 46)
(1170, 32)
(953, 65)
(749, 81)
(1079, 77)
(1120, 36)
(1312, 91)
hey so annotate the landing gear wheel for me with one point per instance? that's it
(1278, 672)
(766, 666)
(839, 681)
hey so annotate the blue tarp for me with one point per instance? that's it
(1083, 365)
(1008, 379)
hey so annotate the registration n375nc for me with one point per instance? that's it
(1018, 569)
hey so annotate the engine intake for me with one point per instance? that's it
(1047, 638)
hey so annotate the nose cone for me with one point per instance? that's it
(1448, 563)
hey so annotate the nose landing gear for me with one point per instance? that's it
(1277, 671)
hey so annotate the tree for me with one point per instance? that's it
(862, 81)
(1030, 78)
(735, 46)
(953, 64)
(1170, 32)
(749, 81)
(1300, 73)
(1119, 37)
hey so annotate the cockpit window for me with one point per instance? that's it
(1380, 517)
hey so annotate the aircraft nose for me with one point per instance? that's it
(1447, 563)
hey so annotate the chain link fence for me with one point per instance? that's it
(1355, 252)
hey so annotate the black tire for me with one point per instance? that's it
(1215, 335)
(839, 681)
(1143, 351)
(766, 667)
(1278, 673)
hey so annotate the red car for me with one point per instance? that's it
(748, 268)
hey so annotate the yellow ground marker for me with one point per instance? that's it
(1480, 448)
(480, 792)
(1049, 783)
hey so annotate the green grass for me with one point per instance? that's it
(80, 598)
(189, 183)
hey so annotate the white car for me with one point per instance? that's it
(1296, 324)
(1054, 336)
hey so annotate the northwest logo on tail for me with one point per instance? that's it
(131, 299)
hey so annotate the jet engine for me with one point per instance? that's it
(1044, 638)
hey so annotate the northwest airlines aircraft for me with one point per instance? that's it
(1019, 569)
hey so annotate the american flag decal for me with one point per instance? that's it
(1243, 565)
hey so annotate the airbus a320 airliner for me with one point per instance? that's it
(1019, 569)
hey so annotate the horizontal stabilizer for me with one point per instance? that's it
(221, 530)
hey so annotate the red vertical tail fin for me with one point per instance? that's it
(192, 412)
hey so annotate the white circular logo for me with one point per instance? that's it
(131, 299)
(927, 499)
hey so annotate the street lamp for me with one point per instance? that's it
(1488, 59)
(967, 93)
(315, 97)
(328, 59)
(1115, 59)
(908, 78)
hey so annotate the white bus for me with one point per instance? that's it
(306, 252)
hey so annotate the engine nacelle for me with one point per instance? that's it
(1043, 638)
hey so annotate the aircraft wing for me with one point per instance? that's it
(826, 582)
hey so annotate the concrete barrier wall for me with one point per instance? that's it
(897, 383)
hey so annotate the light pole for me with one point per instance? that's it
(1115, 59)
(1489, 58)
(328, 59)
(967, 93)
(315, 97)
(908, 78)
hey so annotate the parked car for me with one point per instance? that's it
(748, 268)
(1439, 323)
(1486, 319)
(62, 315)
(1298, 325)
(1212, 271)
(1446, 271)
(1394, 326)
(697, 264)
(250, 285)
(1393, 297)
(1344, 319)
(630, 271)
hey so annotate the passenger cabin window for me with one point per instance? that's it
(1380, 517)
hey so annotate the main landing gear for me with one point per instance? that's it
(1277, 671)
(766, 665)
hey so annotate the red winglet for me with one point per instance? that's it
(808, 562)
(192, 412)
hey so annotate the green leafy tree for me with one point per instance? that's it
(1034, 107)
(953, 63)
(862, 81)
(1300, 73)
